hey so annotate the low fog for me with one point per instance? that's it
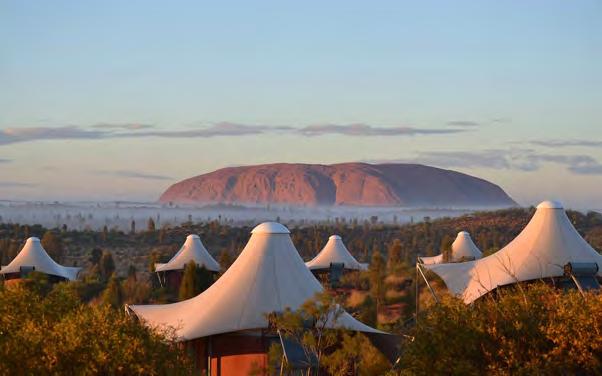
(120, 215)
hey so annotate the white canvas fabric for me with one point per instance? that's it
(546, 244)
(462, 247)
(34, 255)
(192, 250)
(268, 276)
(335, 252)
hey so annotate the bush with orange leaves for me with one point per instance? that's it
(532, 329)
(49, 331)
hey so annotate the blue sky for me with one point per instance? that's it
(116, 100)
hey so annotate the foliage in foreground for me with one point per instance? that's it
(54, 333)
(336, 351)
(534, 330)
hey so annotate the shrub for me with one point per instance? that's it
(57, 334)
(526, 330)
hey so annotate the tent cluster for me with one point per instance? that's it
(269, 276)
(549, 247)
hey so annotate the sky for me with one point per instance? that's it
(115, 100)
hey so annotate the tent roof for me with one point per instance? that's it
(268, 276)
(550, 205)
(462, 247)
(546, 244)
(34, 255)
(335, 252)
(192, 250)
(270, 228)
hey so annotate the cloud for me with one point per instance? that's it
(495, 159)
(107, 131)
(124, 126)
(15, 135)
(568, 143)
(360, 129)
(587, 169)
(463, 123)
(513, 159)
(223, 129)
(132, 175)
(218, 129)
(16, 184)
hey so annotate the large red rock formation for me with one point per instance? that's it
(358, 184)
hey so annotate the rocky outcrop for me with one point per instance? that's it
(356, 184)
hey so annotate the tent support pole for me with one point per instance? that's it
(578, 285)
(417, 293)
(282, 364)
(427, 283)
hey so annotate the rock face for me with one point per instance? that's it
(356, 184)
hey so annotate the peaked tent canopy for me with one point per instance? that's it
(462, 248)
(546, 244)
(34, 255)
(268, 276)
(335, 252)
(192, 250)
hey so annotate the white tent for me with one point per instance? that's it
(268, 276)
(192, 250)
(34, 255)
(335, 252)
(547, 243)
(462, 248)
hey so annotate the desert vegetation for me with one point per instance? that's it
(524, 330)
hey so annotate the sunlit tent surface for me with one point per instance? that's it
(34, 256)
(547, 243)
(192, 250)
(463, 248)
(268, 276)
(335, 252)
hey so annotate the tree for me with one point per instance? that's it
(377, 275)
(153, 259)
(355, 355)
(446, 243)
(150, 226)
(367, 313)
(225, 259)
(135, 291)
(94, 339)
(113, 294)
(190, 282)
(13, 250)
(132, 272)
(534, 329)
(308, 326)
(105, 233)
(107, 265)
(395, 253)
(195, 280)
(95, 256)
(53, 246)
